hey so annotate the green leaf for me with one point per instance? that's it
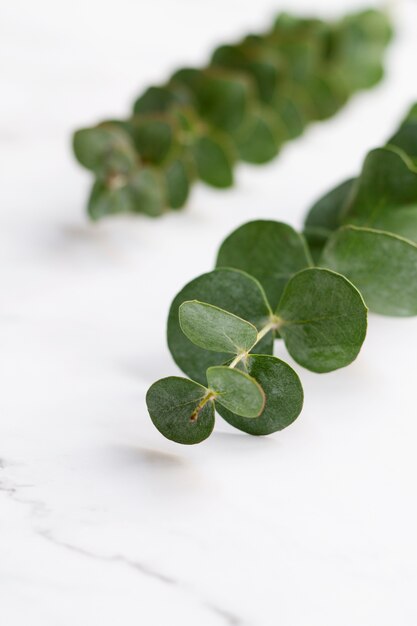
(221, 98)
(153, 138)
(388, 180)
(104, 150)
(256, 142)
(148, 192)
(155, 100)
(270, 251)
(316, 239)
(181, 409)
(383, 266)
(227, 289)
(251, 59)
(214, 162)
(359, 47)
(406, 139)
(323, 320)
(178, 184)
(283, 396)
(327, 212)
(291, 114)
(385, 195)
(325, 216)
(406, 136)
(212, 328)
(236, 390)
(106, 201)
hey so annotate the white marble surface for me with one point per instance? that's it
(102, 521)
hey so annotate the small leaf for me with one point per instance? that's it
(177, 183)
(212, 328)
(383, 266)
(181, 409)
(106, 150)
(323, 320)
(256, 142)
(222, 98)
(283, 393)
(290, 113)
(251, 59)
(359, 46)
(227, 289)
(106, 201)
(214, 162)
(270, 251)
(153, 138)
(155, 100)
(148, 192)
(236, 390)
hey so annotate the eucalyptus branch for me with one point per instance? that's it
(250, 99)
(269, 283)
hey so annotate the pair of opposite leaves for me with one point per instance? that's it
(222, 326)
(326, 336)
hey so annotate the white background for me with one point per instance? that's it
(103, 521)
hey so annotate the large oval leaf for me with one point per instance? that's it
(212, 328)
(227, 289)
(236, 390)
(385, 195)
(270, 251)
(323, 320)
(383, 267)
(283, 396)
(181, 410)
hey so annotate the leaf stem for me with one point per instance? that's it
(274, 323)
(210, 395)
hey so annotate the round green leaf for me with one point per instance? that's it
(251, 59)
(212, 328)
(154, 100)
(153, 138)
(256, 142)
(291, 114)
(213, 161)
(323, 320)
(106, 150)
(179, 409)
(283, 396)
(383, 266)
(388, 180)
(270, 251)
(222, 98)
(236, 390)
(148, 192)
(106, 201)
(228, 289)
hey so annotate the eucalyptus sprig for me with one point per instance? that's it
(266, 287)
(366, 228)
(252, 97)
